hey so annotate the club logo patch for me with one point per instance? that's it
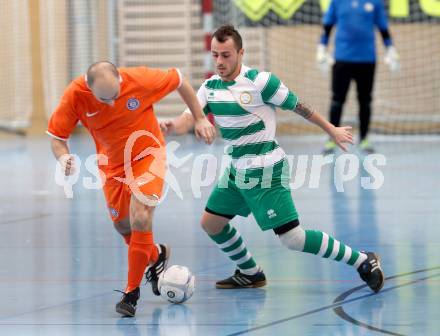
(271, 213)
(113, 212)
(245, 98)
(368, 7)
(133, 104)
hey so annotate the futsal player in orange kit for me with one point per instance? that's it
(115, 106)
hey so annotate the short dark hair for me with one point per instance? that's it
(98, 67)
(228, 31)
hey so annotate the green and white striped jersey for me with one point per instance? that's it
(244, 111)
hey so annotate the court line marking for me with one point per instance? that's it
(128, 324)
(334, 305)
(339, 303)
(343, 315)
(51, 307)
(18, 220)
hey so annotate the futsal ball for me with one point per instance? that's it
(176, 284)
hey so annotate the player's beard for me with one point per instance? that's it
(230, 73)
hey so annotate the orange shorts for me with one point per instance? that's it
(147, 179)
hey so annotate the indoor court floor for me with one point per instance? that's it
(61, 259)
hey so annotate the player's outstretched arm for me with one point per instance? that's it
(61, 152)
(179, 125)
(202, 127)
(341, 135)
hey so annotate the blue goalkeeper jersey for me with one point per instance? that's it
(355, 21)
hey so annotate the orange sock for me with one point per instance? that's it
(127, 238)
(139, 251)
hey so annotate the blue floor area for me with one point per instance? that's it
(61, 258)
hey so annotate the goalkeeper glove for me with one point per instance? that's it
(392, 59)
(323, 58)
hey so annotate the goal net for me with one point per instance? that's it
(39, 59)
(281, 36)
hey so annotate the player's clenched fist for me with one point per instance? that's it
(67, 162)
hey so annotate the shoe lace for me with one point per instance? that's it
(130, 297)
(124, 294)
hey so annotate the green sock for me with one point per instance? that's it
(229, 241)
(320, 243)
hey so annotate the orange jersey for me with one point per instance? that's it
(111, 126)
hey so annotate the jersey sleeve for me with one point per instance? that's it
(381, 21)
(201, 96)
(380, 17)
(64, 118)
(330, 17)
(159, 83)
(274, 92)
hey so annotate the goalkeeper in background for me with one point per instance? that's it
(355, 57)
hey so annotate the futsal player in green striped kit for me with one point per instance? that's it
(243, 102)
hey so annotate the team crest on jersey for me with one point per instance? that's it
(113, 212)
(368, 7)
(245, 98)
(133, 104)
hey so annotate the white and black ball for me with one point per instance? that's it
(176, 284)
